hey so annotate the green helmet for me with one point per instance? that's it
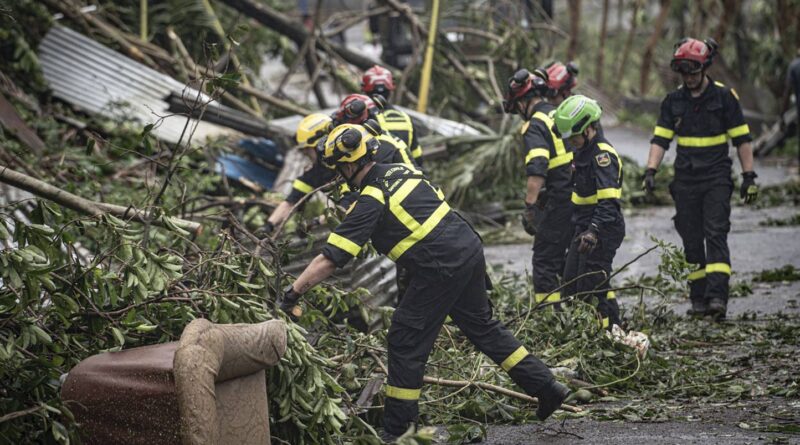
(575, 114)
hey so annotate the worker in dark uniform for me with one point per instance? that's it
(561, 79)
(378, 83)
(310, 131)
(548, 212)
(599, 224)
(703, 114)
(407, 219)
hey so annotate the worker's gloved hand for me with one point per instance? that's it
(288, 303)
(587, 240)
(531, 218)
(649, 180)
(749, 189)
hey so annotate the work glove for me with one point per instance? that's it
(587, 240)
(649, 180)
(749, 189)
(531, 218)
(288, 303)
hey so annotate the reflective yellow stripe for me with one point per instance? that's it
(583, 200)
(697, 275)
(374, 192)
(420, 233)
(605, 322)
(536, 153)
(709, 141)
(402, 393)
(611, 295)
(741, 130)
(514, 358)
(718, 268)
(302, 187)
(350, 209)
(399, 145)
(525, 127)
(344, 244)
(609, 193)
(547, 297)
(397, 198)
(560, 160)
(664, 132)
(417, 152)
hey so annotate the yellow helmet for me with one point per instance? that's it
(349, 143)
(313, 128)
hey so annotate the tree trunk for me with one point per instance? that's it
(730, 9)
(628, 42)
(601, 52)
(647, 57)
(574, 28)
(282, 24)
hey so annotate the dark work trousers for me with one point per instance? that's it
(402, 278)
(416, 324)
(550, 249)
(703, 220)
(597, 266)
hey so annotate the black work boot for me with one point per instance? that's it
(550, 399)
(387, 437)
(717, 308)
(698, 309)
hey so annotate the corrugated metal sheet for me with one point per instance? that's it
(102, 81)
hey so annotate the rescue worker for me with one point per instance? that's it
(548, 212)
(310, 131)
(407, 219)
(561, 79)
(378, 83)
(703, 114)
(597, 215)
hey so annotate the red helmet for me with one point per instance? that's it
(522, 85)
(692, 55)
(355, 109)
(561, 77)
(377, 80)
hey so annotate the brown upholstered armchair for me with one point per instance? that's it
(209, 388)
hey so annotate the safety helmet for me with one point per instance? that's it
(355, 109)
(377, 80)
(692, 55)
(312, 128)
(561, 77)
(523, 85)
(349, 144)
(575, 114)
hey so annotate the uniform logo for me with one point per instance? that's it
(603, 159)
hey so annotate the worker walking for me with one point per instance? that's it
(597, 215)
(703, 114)
(548, 213)
(407, 219)
(378, 83)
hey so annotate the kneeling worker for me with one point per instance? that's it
(407, 219)
(597, 190)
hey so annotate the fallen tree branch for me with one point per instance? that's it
(282, 24)
(83, 205)
(489, 387)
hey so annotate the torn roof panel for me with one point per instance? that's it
(99, 80)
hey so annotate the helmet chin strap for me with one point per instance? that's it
(350, 180)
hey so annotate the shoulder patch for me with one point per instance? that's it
(603, 159)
